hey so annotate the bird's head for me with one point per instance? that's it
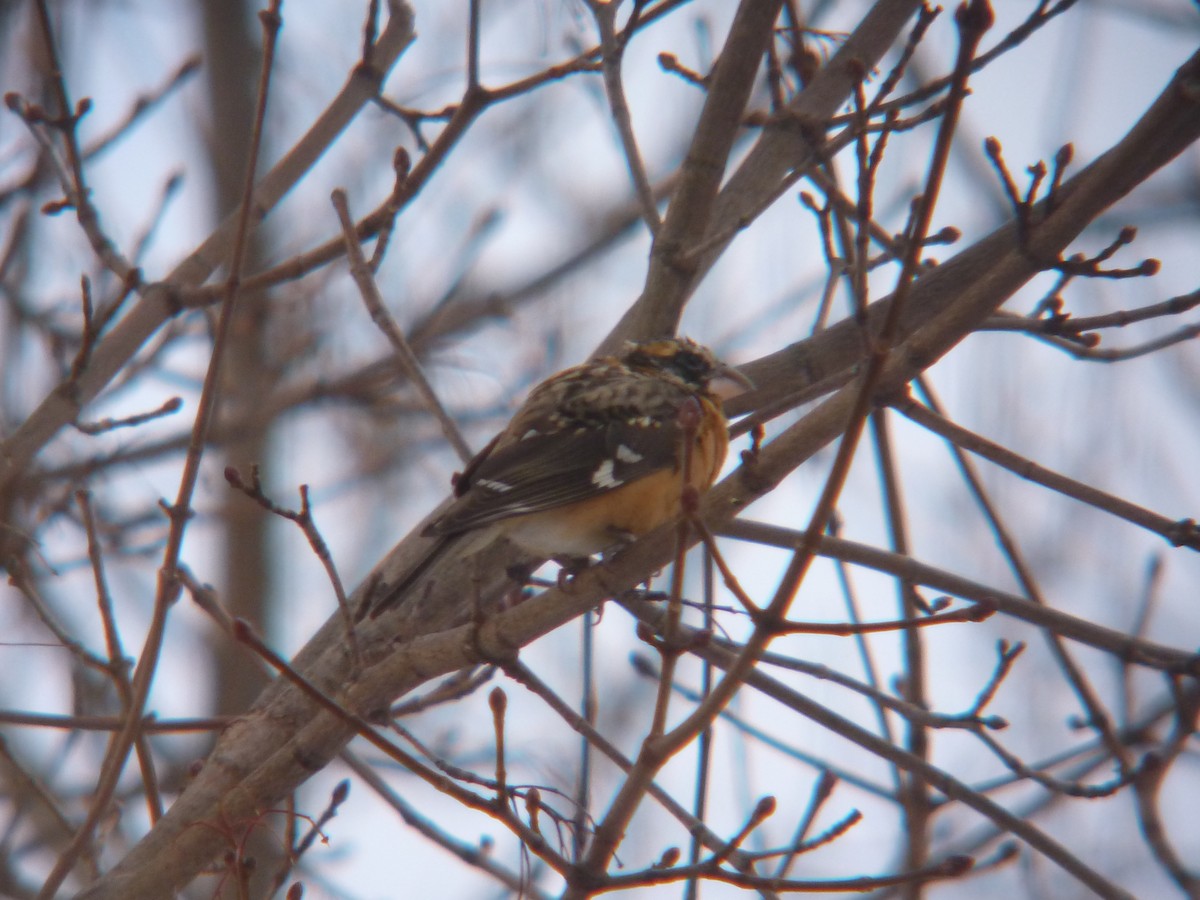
(688, 361)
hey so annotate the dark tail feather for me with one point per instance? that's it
(388, 595)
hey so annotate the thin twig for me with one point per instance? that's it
(78, 193)
(143, 105)
(308, 525)
(1180, 533)
(1068, 325)
(118, 663)
(612, 48)
(407, 360)
(470, 853)
(173, 405)
(361, 727)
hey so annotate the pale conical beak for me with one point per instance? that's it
(728, 383)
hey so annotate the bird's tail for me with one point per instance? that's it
(389, 595)
(465, 544)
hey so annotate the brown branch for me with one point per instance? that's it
(149, 725)
(118, 664)
(308, 526)
(173, 405)
(712, 871)
(1148, 787)
(143, 105)
(613, 50)
(1088, 697)
(78, 193)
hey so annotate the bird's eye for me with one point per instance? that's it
(691, 366)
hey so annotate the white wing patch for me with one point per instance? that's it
(625, 455)
(498, 486)
(603, 476)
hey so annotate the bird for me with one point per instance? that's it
(595, 457)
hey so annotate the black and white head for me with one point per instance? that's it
(693, 364)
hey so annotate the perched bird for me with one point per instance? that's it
(595, 456)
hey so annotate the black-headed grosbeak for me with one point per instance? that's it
(595, 457)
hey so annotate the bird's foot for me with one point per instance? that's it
(570, 567)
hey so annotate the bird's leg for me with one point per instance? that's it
(749, 470)
(569, 568)
(486, 643)
(520, 573)
(573, 566)
(521, 576)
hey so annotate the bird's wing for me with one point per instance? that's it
(544, 471)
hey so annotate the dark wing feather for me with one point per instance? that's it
(544, 471)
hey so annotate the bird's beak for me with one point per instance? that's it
(728, 383)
